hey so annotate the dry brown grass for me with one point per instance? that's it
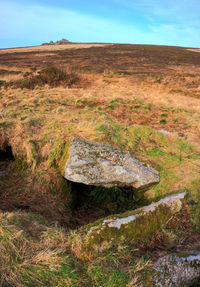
(51, 48)
(41, 121)
(25, 244)
(50, 76)
(194, 50)
(13, 68)
(157, 90)
(99, 94)
(172, 69)
(9, 78)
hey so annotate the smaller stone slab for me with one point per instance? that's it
(106, 165)
(125, 227)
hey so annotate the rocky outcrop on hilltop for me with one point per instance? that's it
(60, 42)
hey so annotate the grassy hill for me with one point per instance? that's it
(145, 99)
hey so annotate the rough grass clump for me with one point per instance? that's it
(51, 76)
(32, 254)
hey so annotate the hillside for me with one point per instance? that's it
(143, 99)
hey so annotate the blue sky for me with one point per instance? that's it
(161, 22)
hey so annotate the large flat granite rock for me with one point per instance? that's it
(105, 165)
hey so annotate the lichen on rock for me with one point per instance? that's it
(176, 269)
(105, 165)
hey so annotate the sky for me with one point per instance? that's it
(160, 22)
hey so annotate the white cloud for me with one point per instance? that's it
(35, 24)
(42, 23)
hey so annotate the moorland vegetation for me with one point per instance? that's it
(143, 99)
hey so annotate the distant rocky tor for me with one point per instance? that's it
(60, 42)
(105, 165)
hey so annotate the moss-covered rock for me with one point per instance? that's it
(64, 158)
(100, 235)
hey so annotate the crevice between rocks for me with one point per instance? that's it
(90, 203)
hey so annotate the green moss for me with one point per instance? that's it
(98, 236)
(64, 158)
(142, 226)
(56, 152)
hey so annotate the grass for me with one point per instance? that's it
(125, 102)
(120, 60)
(194, 202)
(163, 121)
(107, 277)
(44, 125)
(35, 254)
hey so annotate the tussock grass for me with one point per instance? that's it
(49, 76)
(22, 249)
